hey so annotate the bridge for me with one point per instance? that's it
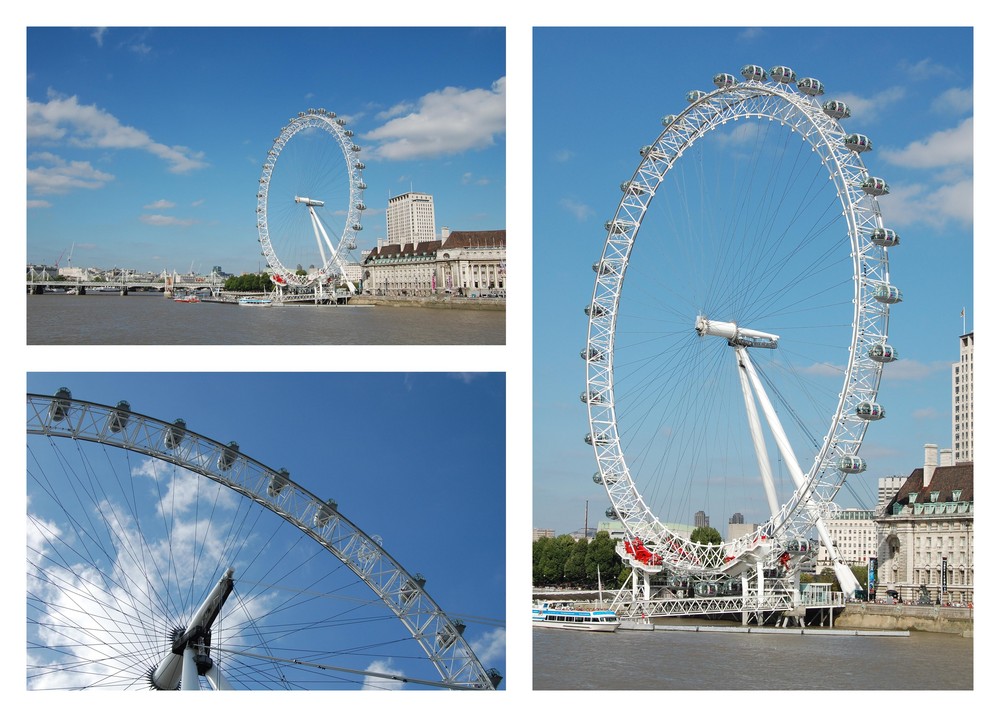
(42, 285)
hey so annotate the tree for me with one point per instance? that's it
(601, 554)
(706, 535)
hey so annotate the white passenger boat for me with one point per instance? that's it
(254, 301)
(567, 616)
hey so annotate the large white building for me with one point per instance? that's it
(924, 533)
(961, 404)
(853, 532)
(409, 219)
(469, 264)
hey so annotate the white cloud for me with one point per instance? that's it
(161, 220)
(946, 148)
(38, 204)
(871, 107)
(956, 99)
(98, 34)
(491, 647)
(160, 204)
(824, 369)
(445, 122)
(470, 178)
(936, 206)
(564, 155)
(910, 370)
(62, 177)
(63, 120)
(381, 683)
(394, 111)
(581, 211)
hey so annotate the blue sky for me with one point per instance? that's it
(598, 96)
(145, 145)
(417, 459)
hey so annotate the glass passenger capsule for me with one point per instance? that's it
(174, 434)
(361, 206)
(875, 186)
(780, 73)
(649, 150)
(59, 408)
(695, 95)
(633, 188)
(228, 456)
(446, 635)
(754, 73)
(277, 483)
(611, 478)
(885, 237)
(851, 464)
(668, 120)
(888, 294)
(612, 514)
(118, 418)
(357, 227)
(837, 109)
(355, 148)
(618, 226)
(351, 245)
(594, 310)
(411, 588)
(341, 121)
(601, 267)
(592, 397)
(359, 165)
(858, 143)
(869, 411)
(810, 86)
(348, 132)
(600, 440)
(591, 354)
(706, 589)
(362, 185)
(324, 513)
(883, 353)
(723, 79)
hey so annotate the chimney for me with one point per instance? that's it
(947, 457)
(930, 462)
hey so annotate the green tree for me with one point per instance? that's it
(601, 554)
(575, 570)
(706, 535)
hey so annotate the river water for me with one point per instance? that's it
(150, 319)
(668, 660)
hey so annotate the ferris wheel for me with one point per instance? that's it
(737, 370)
(161, 559)
(310, 199)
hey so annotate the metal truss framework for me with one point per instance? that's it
(795, 518)
(332, 265)
(402, 594)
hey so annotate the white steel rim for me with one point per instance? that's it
(774, 102)
(334, 264)
(402, 594)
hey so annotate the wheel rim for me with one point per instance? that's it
(725, 141)
(313, 157)
(111, 580)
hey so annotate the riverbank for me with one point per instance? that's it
(432, 302)
(924, 618)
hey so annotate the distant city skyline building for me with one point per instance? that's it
(962, 401)
(700, 519)
(409, 219)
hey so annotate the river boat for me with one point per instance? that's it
(254, 301)
(189, 299)
(567, 616)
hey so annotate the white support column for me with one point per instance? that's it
(763, 463)
(189, 670)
